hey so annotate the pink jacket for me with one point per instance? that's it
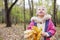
(49, 28)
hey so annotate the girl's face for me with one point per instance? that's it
(41, 11)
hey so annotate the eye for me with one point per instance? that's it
(39, 9)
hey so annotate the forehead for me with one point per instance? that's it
(41, 7)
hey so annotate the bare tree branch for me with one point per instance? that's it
(13, 4)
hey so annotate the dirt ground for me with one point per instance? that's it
(16, 33)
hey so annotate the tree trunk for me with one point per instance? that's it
(55, 12)
(32, 8)
(8, 19)
(16, 20)
(7, 11)
(24, 14)
(2, 20)
(29, 7)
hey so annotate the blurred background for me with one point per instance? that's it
(15, 15)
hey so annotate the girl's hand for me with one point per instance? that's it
(45, 34)
(27, 35)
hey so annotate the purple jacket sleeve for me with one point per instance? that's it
(51, 28)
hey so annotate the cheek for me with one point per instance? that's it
(44, 11)
(38, 11)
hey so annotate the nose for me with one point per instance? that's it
(41, 12)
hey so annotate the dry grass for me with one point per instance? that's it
(11, 33)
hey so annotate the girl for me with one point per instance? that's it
(42, 19)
